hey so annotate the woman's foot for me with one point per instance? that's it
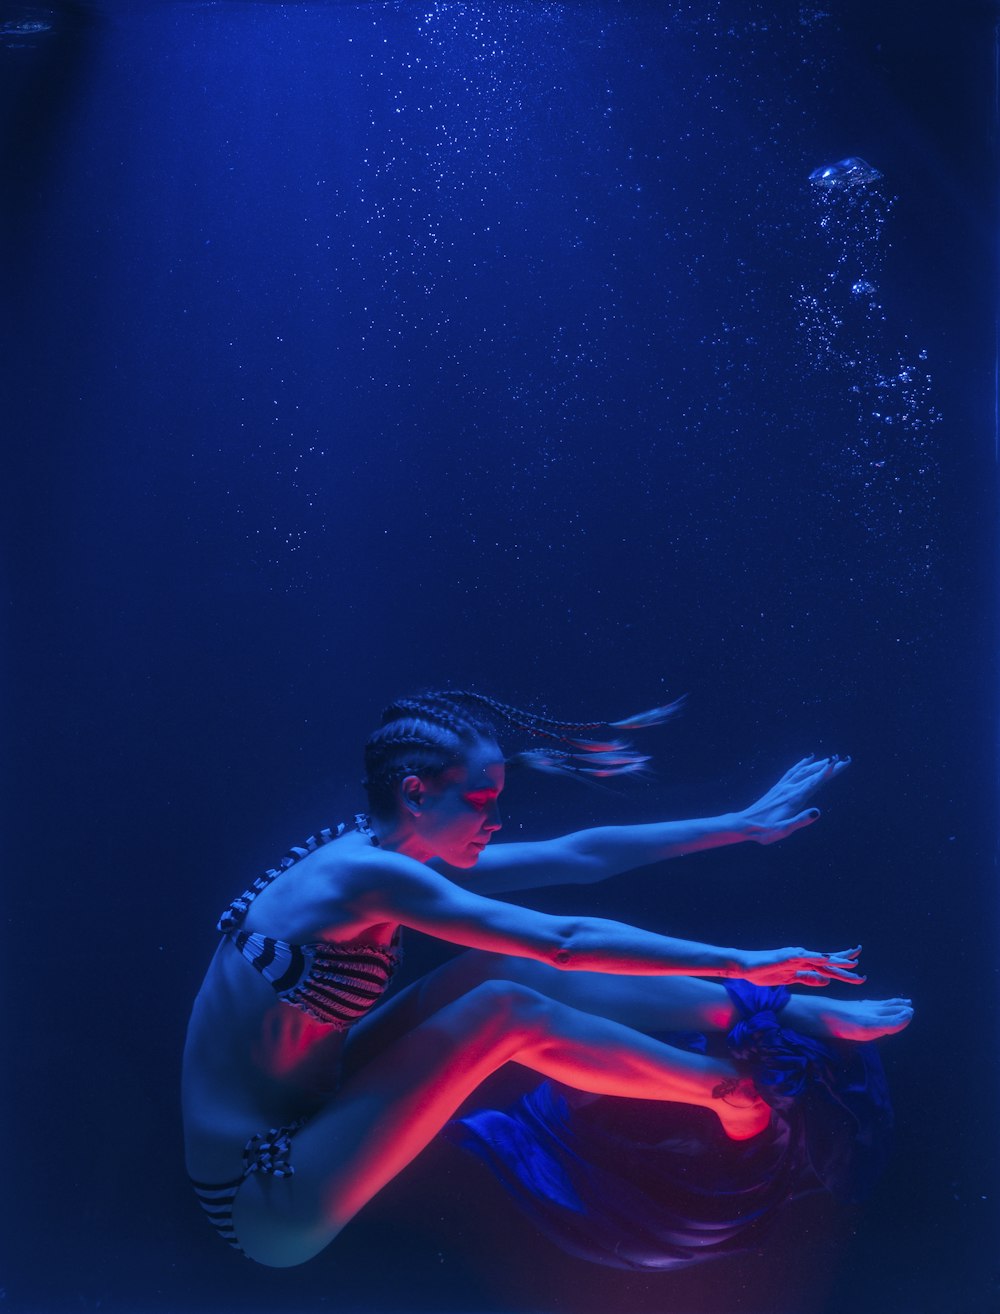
(741, 1110)
(846, 1019)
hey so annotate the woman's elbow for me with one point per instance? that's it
(562, 948)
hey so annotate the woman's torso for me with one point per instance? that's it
(253, 1061)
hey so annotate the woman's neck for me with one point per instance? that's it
(394, 835)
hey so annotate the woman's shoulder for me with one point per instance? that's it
(358, 870)
(356, 858)
(331, 895)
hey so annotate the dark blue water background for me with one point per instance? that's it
(359, 348)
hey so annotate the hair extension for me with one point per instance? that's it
(426, 733)
(578, 734)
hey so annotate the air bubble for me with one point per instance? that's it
(848, 173)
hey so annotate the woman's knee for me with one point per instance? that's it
(510, 1007)
(479, 966)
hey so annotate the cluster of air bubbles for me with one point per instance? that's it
(884, 468)
(812, 16)
(845, 174)
(712, 16)
(24, 30)
(456, 80)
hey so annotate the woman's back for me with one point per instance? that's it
(294, 970)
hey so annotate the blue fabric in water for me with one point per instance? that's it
(643, 1184)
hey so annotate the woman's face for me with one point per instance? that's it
(459, 810)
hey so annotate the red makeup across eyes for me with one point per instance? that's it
(480, 797)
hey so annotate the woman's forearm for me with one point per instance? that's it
(587, 856)
(608, 850)
(593, 944)
(781, 810)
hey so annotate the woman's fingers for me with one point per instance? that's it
(780, 829)
(849, 978)
(819, 955)
(770, 814)
(808, 967)
(823, 977)
(800, 780)
(838, 970)
(845, 953)
(815, 772)
(803, 819)
(796, 772)
(825, 769)
(840, 966)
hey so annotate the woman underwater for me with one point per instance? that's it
(300, 1104)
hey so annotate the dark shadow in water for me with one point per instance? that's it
(45, 56)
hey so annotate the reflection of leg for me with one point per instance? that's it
(388, 1110)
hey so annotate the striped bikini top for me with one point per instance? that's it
(333, 983)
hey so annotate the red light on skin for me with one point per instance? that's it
(720, 1018)
(292, 1044)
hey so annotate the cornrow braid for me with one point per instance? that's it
(442, 709)
(418, 736)
(577, 734)
(532, 721)
(426, 733)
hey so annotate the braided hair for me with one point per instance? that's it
(427, 733)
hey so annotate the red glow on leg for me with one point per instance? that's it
(720, 1018)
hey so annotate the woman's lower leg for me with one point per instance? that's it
(596, 1054)
(659, 1004)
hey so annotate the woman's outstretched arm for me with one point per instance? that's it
(396, 889)
(593, 855)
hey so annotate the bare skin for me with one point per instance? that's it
(568, 998)
(651, 1004)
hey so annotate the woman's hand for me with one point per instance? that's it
(780, 810)
(774, 967)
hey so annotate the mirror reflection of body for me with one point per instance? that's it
(301, 1099)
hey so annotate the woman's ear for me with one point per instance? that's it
(411, 791)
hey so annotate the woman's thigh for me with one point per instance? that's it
(439, 1042)
(651, 1004)
(379, 1120)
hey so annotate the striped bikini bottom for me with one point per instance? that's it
(269, 1152)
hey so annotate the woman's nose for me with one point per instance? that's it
(493, 821)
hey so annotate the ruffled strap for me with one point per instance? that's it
(233, 916)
